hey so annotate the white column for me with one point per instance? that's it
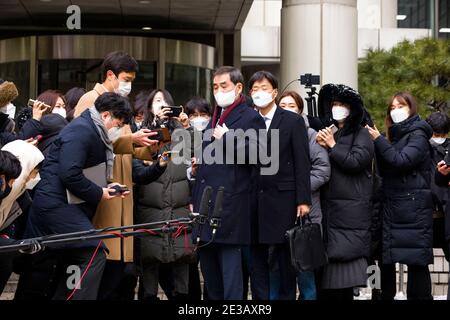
(319, 37)
(389, 14)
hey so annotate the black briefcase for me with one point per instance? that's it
(306, 245)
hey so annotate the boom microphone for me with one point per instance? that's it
(217, 213)
(202, 216)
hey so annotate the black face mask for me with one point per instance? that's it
(4, 193)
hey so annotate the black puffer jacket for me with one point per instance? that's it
(347, 198)
(407, 202)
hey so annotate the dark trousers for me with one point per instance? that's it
(119, 281)
(260, 272)
(418, 287)
(176, 279)
(221, 266)
(39, 275)
(6, 268)
(80, 257)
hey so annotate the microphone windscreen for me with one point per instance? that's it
(204, 203)
(218, 206)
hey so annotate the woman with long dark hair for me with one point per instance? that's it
(164, 259)
(404, 160)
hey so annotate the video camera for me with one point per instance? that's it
(309, 80)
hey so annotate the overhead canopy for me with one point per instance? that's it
(125, 15)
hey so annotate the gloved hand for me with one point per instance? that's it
(219, 131)
(34, 246)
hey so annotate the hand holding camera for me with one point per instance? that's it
(373, 132)
(164, 159)
(162, 135)
(164, 113)
(34, 141)
(39, 109)
(114, 190)
(144, 137)
(167, 112)
(443, 166)
(184, 120)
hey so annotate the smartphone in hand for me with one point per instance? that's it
(162, 136)
(49, 109)
(175, 111)
(333, 128)
(119, 190)
(37, 138)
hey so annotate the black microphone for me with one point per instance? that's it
(217, 213)
(202, 216)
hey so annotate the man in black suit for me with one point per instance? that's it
(283, 196)
(220, 260)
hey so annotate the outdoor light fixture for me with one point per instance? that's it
(146, 28)
(401, 17)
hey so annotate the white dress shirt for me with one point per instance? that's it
(269, 116)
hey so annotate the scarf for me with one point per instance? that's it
(105, 138)
(228, 110)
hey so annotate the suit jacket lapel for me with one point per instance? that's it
(275, 124)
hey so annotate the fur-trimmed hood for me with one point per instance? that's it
(8, 92)
(338, 92)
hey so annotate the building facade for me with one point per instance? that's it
(293, 37)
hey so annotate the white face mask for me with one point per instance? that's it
(114, 133)
(33, 182)
(225, 99)
(9, 109)
(124, 88)
(199, 123)
(340, 113)
(438, 141)
(399, 115)
(262, 99)
(60, 111)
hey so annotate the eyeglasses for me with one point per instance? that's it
(118, 124)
